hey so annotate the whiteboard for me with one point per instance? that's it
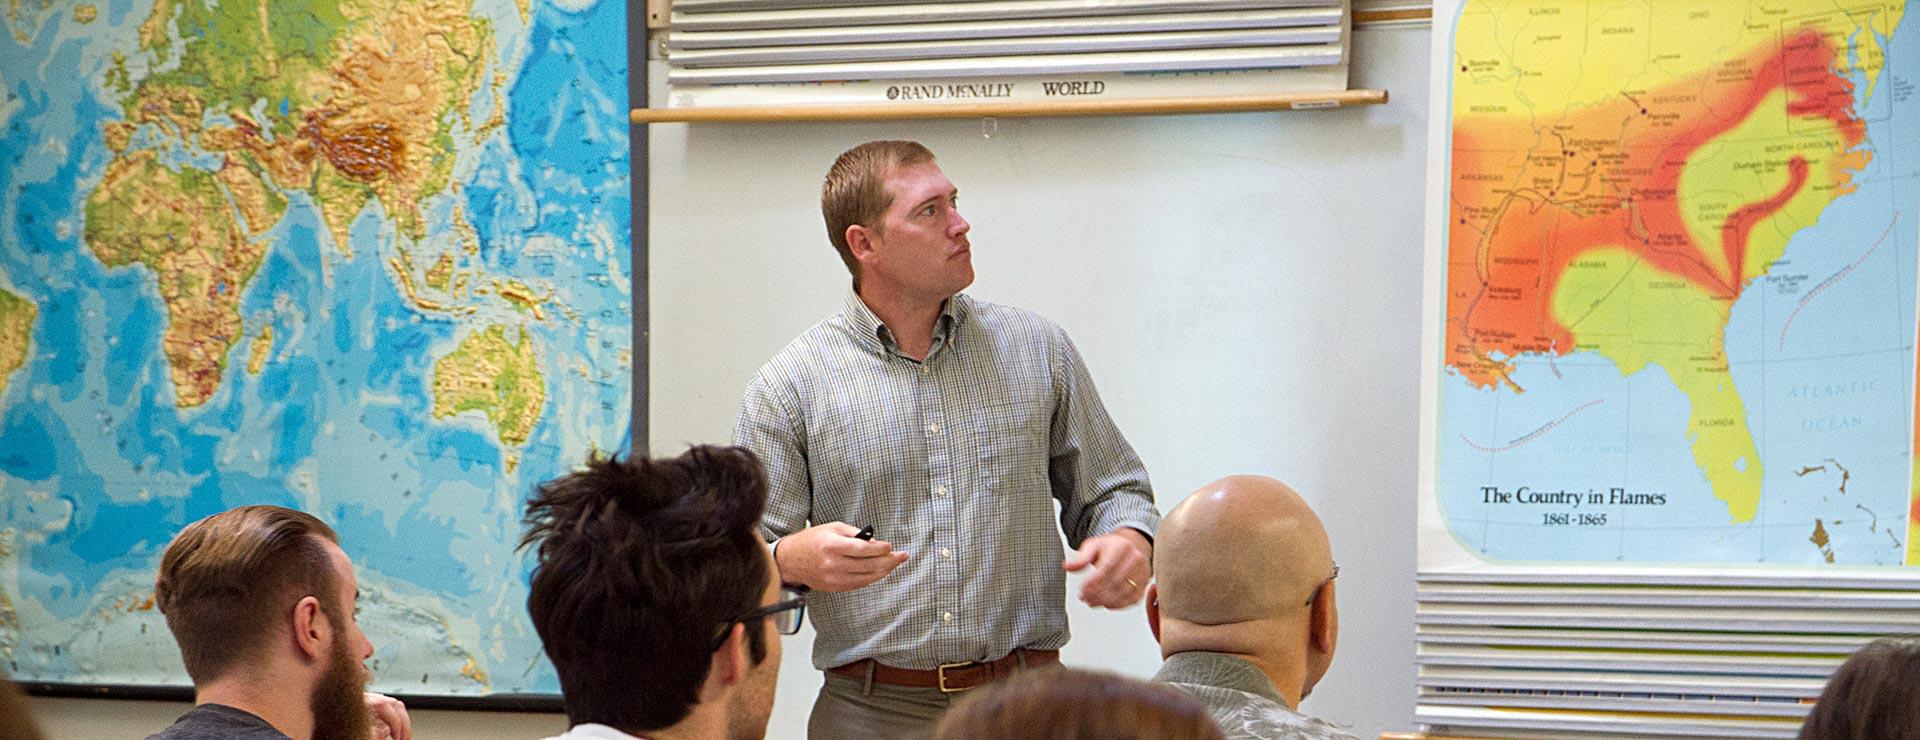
(1245, 289)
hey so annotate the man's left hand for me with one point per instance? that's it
(1122, 563)
(390, 720)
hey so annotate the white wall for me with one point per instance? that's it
(1245, 288)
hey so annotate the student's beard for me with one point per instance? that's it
(752, 703)
(339, 708)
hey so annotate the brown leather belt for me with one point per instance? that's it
(950, 677)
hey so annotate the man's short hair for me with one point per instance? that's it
(1059, 702)
(643, 565)
(228, 581)
(856, 189)
(1871, 695)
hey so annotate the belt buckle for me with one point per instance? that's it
(943, 677)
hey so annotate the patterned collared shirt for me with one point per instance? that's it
(959, 461)
(1242, 699)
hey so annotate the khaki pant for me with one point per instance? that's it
(852, 709)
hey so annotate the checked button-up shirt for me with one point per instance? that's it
(959, 460)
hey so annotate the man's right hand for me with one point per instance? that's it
(827, 557)
(390, 720)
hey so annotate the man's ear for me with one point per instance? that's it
(1321, 633)
(311, 629)
(729, 664)
(860, 242)
(1153, 609)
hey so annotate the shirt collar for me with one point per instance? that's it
(596, 731)
(1219, 670)
(875, 335)
(866, 326)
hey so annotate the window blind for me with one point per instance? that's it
(742, 52)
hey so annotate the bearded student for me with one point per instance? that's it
(261, 600)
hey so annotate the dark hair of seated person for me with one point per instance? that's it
(640, 564)
(1057, 703)
(1875, 695)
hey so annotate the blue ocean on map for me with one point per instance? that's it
(1821, 350)
(100, 466)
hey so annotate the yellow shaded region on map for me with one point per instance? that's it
(496, 376)
(1913, 522)
(1638, 315)
(1542, 59)
(1754, 162)
(16, 333)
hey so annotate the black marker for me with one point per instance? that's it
(866, 533)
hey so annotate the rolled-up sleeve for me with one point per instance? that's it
(1099, 481)
(766, 426)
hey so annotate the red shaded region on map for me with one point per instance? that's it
(1913, 509)
(1530, 196)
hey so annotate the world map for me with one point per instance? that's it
(365, 258)
(1680, 272)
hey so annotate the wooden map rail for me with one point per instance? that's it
(880, 112)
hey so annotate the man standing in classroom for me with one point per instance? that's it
(948, 426)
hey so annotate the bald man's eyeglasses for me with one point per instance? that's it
(1316, 589)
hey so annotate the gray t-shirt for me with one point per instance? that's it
(219, 722)
(1241, 699)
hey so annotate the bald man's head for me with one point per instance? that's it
(1241, 548)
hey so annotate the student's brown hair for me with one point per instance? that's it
(642, 565)
(1057, 703)
(1875, 695)
(227, 581)
(856, 189)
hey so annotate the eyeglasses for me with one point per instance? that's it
(787, 614)
(1316, 589)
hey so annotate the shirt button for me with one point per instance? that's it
(924, 369)
(946, 616)
(946, 553)
(933, 428)
(940, 491)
